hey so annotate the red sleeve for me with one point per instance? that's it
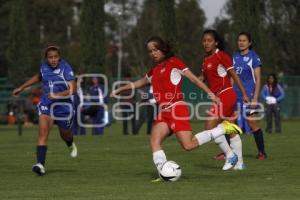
(149, 74)
(179, 64)
(225, 60)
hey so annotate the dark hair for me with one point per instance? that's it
(216, 37)
(51, 48)
(163, 46)
(274, 84)
(249, 37)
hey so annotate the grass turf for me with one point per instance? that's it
(115, 167)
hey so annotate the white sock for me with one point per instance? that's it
(236, 145)
(206, 136)
(203, 137)
(224, 146)
(159, 158)
(218, 131)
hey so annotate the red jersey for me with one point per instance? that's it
(214, 68)
(166, 79)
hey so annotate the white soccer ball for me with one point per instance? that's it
(170, 171)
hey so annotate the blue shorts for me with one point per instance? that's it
(244, 111)
(61, 112)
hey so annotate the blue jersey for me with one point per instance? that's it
(244, 66)
(55, 80)
(97, 94)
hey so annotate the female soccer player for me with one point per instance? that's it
(56, 106)
(217, 69)
(247, 65)
(273, 94)
(173, 116)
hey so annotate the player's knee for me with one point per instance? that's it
(188, 146)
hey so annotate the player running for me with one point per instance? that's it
(58, 83)
(173, 116)
(217, 70)
(247, 65)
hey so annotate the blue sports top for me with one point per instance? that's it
(278, 93)
(244, 66)
(97, 94)
(55, 80)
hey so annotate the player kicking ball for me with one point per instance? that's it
(173, 117)
(58, 84)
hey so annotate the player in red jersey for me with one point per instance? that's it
(173, 116)
(217, 70)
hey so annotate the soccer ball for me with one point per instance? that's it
(170, 171)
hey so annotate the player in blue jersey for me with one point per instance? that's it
(247, 65)
(55, 106)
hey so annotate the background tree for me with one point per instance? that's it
(282, 28)
(92, 36)
(51, 23)
(246, 16)
(134, 44)
(18, 52)
(190, 19)
(4, 24)
(167, 20)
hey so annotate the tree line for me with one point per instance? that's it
(91, 32)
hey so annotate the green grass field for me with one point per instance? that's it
(113, 167)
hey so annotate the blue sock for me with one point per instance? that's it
(41, 152)
(259, 140)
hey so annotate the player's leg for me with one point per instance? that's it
(67, 137)
(159, 132)
(45, 123)
(277, 118)
(125, 115)
(258, 136)
(231, 157)
(64, 124)
(189, 141)
(220, 141)
(98, 122)
(269, 118)
(235, 143)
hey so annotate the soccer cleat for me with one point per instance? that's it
(39, 169)
(220, 156)
(73, 150)
(156, 180)
(261, 156)
(239, 166)
(231, 128)
(230, 162)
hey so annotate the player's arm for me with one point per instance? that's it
(257, 76)
(70, 91)
(200, 84)
(33, 80)
(237, 80)
(130, 86)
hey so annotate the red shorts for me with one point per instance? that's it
(227, 105)
(177, 117)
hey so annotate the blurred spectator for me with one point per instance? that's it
(77, 100)
(97, 110)
(147, 111)
(128, 109)
(273, 94)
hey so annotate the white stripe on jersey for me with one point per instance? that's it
(252, 70)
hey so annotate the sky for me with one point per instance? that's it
(212, 9)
